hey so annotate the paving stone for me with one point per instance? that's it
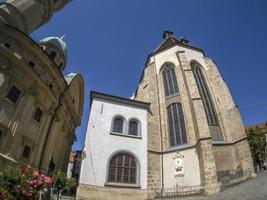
(254, 189)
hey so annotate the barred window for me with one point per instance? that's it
(169, 80)
(205, 95)
(177, 131)
(133, 127)
(118, 125)
(123, 169)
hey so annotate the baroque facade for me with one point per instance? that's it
(40, 107)
(194, 141)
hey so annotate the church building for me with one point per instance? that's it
(180, 134)
(40, 106)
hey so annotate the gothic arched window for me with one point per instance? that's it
(177, 131)
(133, 127)
(122, 169)
(169, 80)
(117, 125)
(205, 95)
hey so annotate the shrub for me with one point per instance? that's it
(22, 183)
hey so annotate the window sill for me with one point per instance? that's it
(179, 147)
(11, 102)
(123, 135)
(125, 185)
(172, 96)
(221, 142)
(36, 123)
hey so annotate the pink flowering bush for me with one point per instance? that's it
(23, 183)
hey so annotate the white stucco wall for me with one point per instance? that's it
(170, 56)
(191, 175)
(100, 144)
(69, 170)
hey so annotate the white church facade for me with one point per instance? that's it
(116, 133)
(181, 134)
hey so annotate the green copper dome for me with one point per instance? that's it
(58, 42)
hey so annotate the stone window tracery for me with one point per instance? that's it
(177, 130)
(205, 95)
(169, 80)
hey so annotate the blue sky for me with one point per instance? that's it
(108, 42)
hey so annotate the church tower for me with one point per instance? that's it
(196, 137)
(28, 15)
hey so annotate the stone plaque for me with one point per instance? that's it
(178, 164)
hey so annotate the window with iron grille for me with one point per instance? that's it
(38, 114)
(118, 125)
(177, 131)
(205, 95)
(13, 94)
(26, 151)
(133, 127)
(169, 80)
(122, 169)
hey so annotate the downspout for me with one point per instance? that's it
(161, 142)
(59, 104)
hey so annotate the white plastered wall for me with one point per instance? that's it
(169, 55)
(191, 176)
(100, 144)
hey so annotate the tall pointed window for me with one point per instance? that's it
(205, 95)
(169, 80)
(177, 131)
(123, 169)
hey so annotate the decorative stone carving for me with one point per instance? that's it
(178, 164)
(33, 90)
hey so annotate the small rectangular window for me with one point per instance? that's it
(7, 45)
(26, 151)
(38, 114)
(13, 94)
(31, 64)
(52, 55)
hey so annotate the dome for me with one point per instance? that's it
(58, 42)
(59, 4)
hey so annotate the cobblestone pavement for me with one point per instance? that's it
(54, 197)
(254, 189)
